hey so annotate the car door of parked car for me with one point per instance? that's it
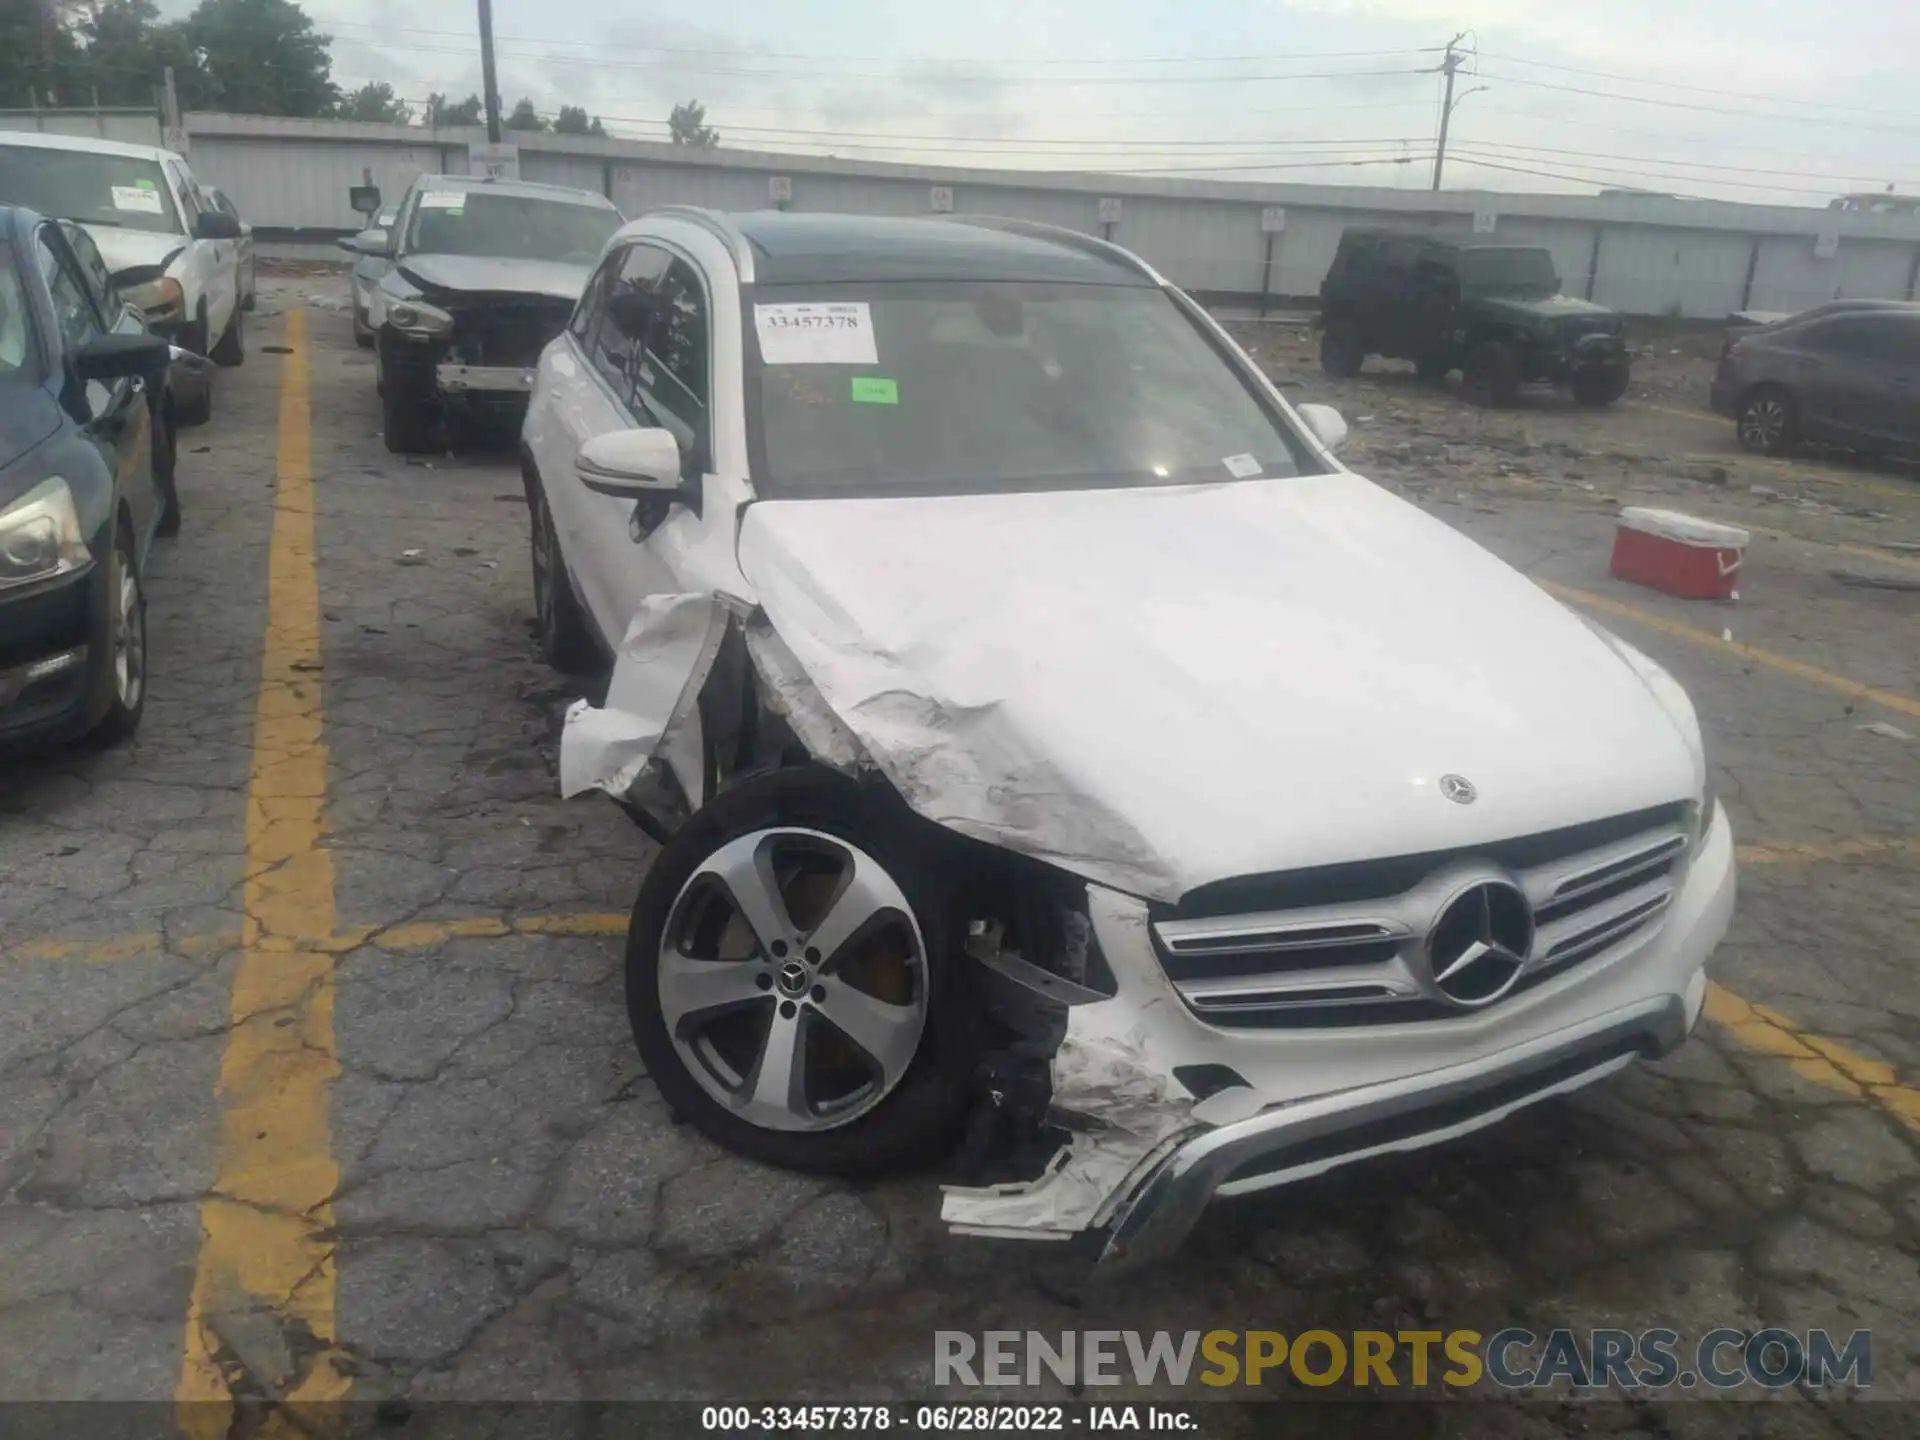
(636, 356)
(120, 421)
(1890, 404)
(1838, 375)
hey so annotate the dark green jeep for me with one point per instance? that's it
(1493, 312)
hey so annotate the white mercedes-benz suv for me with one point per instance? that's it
(1062, 764)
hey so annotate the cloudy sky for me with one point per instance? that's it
(1723, 98)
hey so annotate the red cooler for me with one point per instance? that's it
(1681, 554)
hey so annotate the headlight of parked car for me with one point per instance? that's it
(419, 319)
(40, 536)
(162, 301)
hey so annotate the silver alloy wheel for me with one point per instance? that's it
(1763, 422)
(129, 634)
(793, 979)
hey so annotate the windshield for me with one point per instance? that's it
(16, 333)
(509, 227)
(94, 189)
(972, 387)
(1499, 268)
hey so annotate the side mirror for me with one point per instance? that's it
(630, 464)
(365, 199)
(367, 242)
(214, 225)
(114, 357)
(1326, 424)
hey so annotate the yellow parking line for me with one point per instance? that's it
(1813, 1057)
(1869, 552)
(263, 1292)
(1812, 474)
(1905, 704)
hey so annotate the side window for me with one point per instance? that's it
(681, 343)
(588, 312)
(73, 308)
(627, 312)
(190, 202)
(93, 269)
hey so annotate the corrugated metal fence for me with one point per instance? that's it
(1642, 254)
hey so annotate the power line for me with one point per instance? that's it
(736, 52)
(1469, 152)
(1701, 89)
(1506, 79)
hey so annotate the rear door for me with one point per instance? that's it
(120, 423)
(1838, 374)
(1387, 301)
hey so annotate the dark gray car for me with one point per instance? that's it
(1848, 378)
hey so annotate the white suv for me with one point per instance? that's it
(172, 249)
(1052, 742)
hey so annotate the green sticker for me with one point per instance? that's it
(146, 184)
(870, 390)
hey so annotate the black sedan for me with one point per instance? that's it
(84, 443)
(1845, 374)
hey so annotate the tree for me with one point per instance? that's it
(525, 117)
(129, 49)
(40, 60)
(688, 126)
(375, 100)
(264, 57)
(440, 112)
(573, 120)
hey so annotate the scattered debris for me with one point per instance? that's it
(465, 550)
(1707, 474)
(1892, 732)
(276, 349)
(201, 450)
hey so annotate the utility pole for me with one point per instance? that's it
(486, 72)
(1451, 63)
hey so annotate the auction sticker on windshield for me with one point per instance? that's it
(821, 333)
(442, 200)
(136, 197)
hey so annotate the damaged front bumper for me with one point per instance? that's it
(1145, 1158)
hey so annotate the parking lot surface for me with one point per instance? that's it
(316, 1080)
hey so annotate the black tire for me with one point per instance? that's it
(362, 333)
(1492, 375)
(232, 349)
(196, 406)
(1766, 421)
(406, 411)
(1342, 352)
(166, 453)
(127, 645)
(1431, 369)
(920, 1118)
(566, 641)
(1599, 387)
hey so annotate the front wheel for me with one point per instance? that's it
(1342, 352)
(406, 412)
(1767, 423)
(193, 404)
(1599, 387)
(565, 642)
(166, 452)
(126, 645)
(794, 984)
(232, 349)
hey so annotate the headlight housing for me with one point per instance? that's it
(40, 536)
(1678, 704)
(162, 301)
(419, 320)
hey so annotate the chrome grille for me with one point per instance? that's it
(1361, 959)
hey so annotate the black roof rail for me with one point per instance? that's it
(1061, 235)
(719, 226)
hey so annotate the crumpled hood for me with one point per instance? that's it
(481, 274)
(125, 249)
(1158, 688)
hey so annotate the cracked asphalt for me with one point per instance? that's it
(498, 1207)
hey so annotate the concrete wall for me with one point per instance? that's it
(1655, 256)
(129, 127)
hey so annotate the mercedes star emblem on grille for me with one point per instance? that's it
(1480, 942)
(1458, 789)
